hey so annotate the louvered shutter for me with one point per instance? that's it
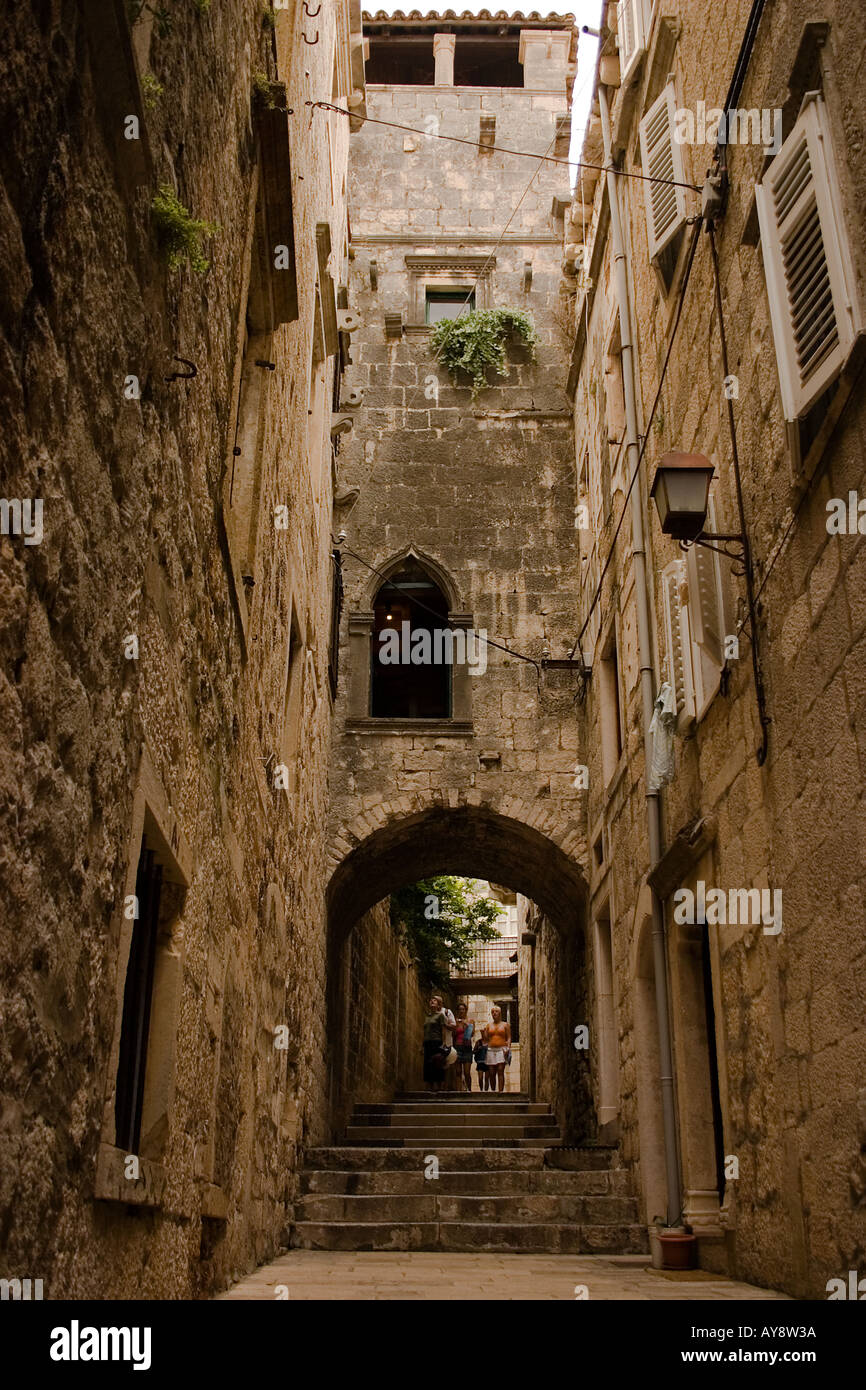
(706, 609)
(631, 36)
(807, 262)
(662, 159)
(677, 640)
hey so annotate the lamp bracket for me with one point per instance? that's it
(733, 547)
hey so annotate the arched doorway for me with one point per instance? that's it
(470, 841)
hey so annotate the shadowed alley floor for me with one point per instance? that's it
(336, 1275)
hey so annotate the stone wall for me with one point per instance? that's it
(556, 997)
(377, 1030)
(175, 741)
(785, 1017)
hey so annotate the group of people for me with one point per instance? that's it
(451, 1046)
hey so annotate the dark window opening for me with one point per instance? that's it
(408, 604)
(614, 677)
(448, 304)
(401, 63)
(810, 424)
(137, 998)
(668, 260)
(483, 62)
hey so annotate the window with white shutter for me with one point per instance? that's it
(631, 33)
(706, 603)
(662, 161)
(677, 658)
(807, 262)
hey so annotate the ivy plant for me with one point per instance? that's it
(151, 89)
(473, 342)
(441, 924)
(263, 95)
(180, 234)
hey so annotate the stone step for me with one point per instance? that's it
(468, 1158)
(517, 1237)
(505, 1182)
(444, 1133)
(473, 1210)
(439, 1147)
(456, 1122)
(448, 1097)
(468, 1107)
(435, 1138)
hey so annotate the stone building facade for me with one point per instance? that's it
(468, 497)
(166, 692)
(766, 1017)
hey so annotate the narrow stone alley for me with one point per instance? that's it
(432, 657)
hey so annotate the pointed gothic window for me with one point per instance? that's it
(410, 669)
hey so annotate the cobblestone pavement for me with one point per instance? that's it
(359, 1275)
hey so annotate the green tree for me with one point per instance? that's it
(442, 924)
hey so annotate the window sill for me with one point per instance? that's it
(447, 728)
(149, 1189)
(112, 1184)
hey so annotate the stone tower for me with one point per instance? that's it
(464, 502)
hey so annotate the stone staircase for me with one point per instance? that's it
(504, 1183)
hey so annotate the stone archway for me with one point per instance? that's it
(401, 842)
(528, 847)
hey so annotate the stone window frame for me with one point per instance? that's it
(446, 272)
(360, 629)
(152, 816)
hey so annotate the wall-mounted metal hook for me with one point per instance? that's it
(311, 14)
(183, 376)
(310, 41)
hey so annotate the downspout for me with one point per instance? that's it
(647, 675)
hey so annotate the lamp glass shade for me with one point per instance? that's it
(681, 490)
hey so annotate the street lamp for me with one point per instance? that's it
(681, 491)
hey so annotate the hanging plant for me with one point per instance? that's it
(473, 342)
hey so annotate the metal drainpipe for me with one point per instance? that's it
(647, 676)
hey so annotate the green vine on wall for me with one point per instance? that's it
(179, 233)
(476, 341)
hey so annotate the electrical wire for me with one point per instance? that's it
(502, 149)
(686, 274)
(344, 550)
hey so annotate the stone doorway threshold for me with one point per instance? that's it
(326, 1275)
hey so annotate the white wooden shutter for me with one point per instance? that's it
(807, 261)
(678, 669)
(662, 160)
(706, 608)
(630, 35)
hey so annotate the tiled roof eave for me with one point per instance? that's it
(465, 17)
